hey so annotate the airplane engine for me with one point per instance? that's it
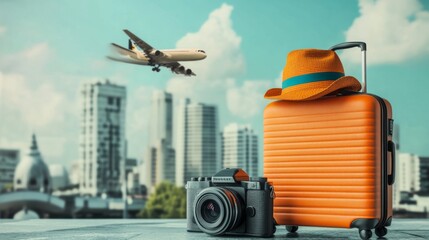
(181, 69)
(157, 53)
(188, 71)
(130, 44)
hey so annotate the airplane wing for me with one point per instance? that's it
(175, 67)
(142, 44)
(178, 68)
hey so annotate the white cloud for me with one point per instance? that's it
(216, 75)
(249, 94)
(395, 31)
(224, 59)
(31, 61)
(221, 43)
(36, 99)
(27, 108)
(2, 29)
(37, 107)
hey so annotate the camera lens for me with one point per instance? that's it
(217, 210)
(210, 211)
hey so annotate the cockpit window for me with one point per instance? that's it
(201, 51)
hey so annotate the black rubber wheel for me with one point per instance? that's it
(291, 229)
(381, 231)
(365, 234)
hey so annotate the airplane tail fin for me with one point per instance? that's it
(131, 46)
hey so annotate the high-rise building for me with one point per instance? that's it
(197, 141)
(240, 148)
(412, 175)
(102, 138)
(161, 155)
(9, 158)
(407, 172)
(161, 117)
(423, 188)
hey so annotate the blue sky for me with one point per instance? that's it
(49, 48)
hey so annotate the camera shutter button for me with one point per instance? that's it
(251, 211)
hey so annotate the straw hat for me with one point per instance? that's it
(310, 74)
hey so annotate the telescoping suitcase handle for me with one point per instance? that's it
(362, 47)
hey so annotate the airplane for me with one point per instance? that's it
(149, 56)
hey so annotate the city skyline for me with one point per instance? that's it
(42, 62)
(103, 103)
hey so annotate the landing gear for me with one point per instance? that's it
(365, 234)
(156, 68)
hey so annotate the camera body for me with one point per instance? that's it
(230, 203)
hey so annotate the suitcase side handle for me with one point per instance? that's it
(362, 46)
(392, 148)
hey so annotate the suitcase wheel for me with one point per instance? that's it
(291, 229)
(365, 234)
(381, 231)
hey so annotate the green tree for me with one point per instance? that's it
(168, 201)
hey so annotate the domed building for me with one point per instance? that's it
(32, 173)
(59, 176)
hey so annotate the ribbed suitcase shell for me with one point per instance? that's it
(324, 158)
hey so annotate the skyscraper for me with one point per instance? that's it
(197, 145)
(414, 174)
(161, 155)
(240, 148)
(161, 117)
(102, 138)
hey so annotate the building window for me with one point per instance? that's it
(110, 100)
(18, 181)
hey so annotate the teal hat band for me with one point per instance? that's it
(311, 77)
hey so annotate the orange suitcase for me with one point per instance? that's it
(331, 160)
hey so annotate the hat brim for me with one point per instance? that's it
(311, 91)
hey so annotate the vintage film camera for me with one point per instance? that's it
(230, 203)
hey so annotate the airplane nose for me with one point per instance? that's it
(203, 56)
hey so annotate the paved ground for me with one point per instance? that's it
(88, 229)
